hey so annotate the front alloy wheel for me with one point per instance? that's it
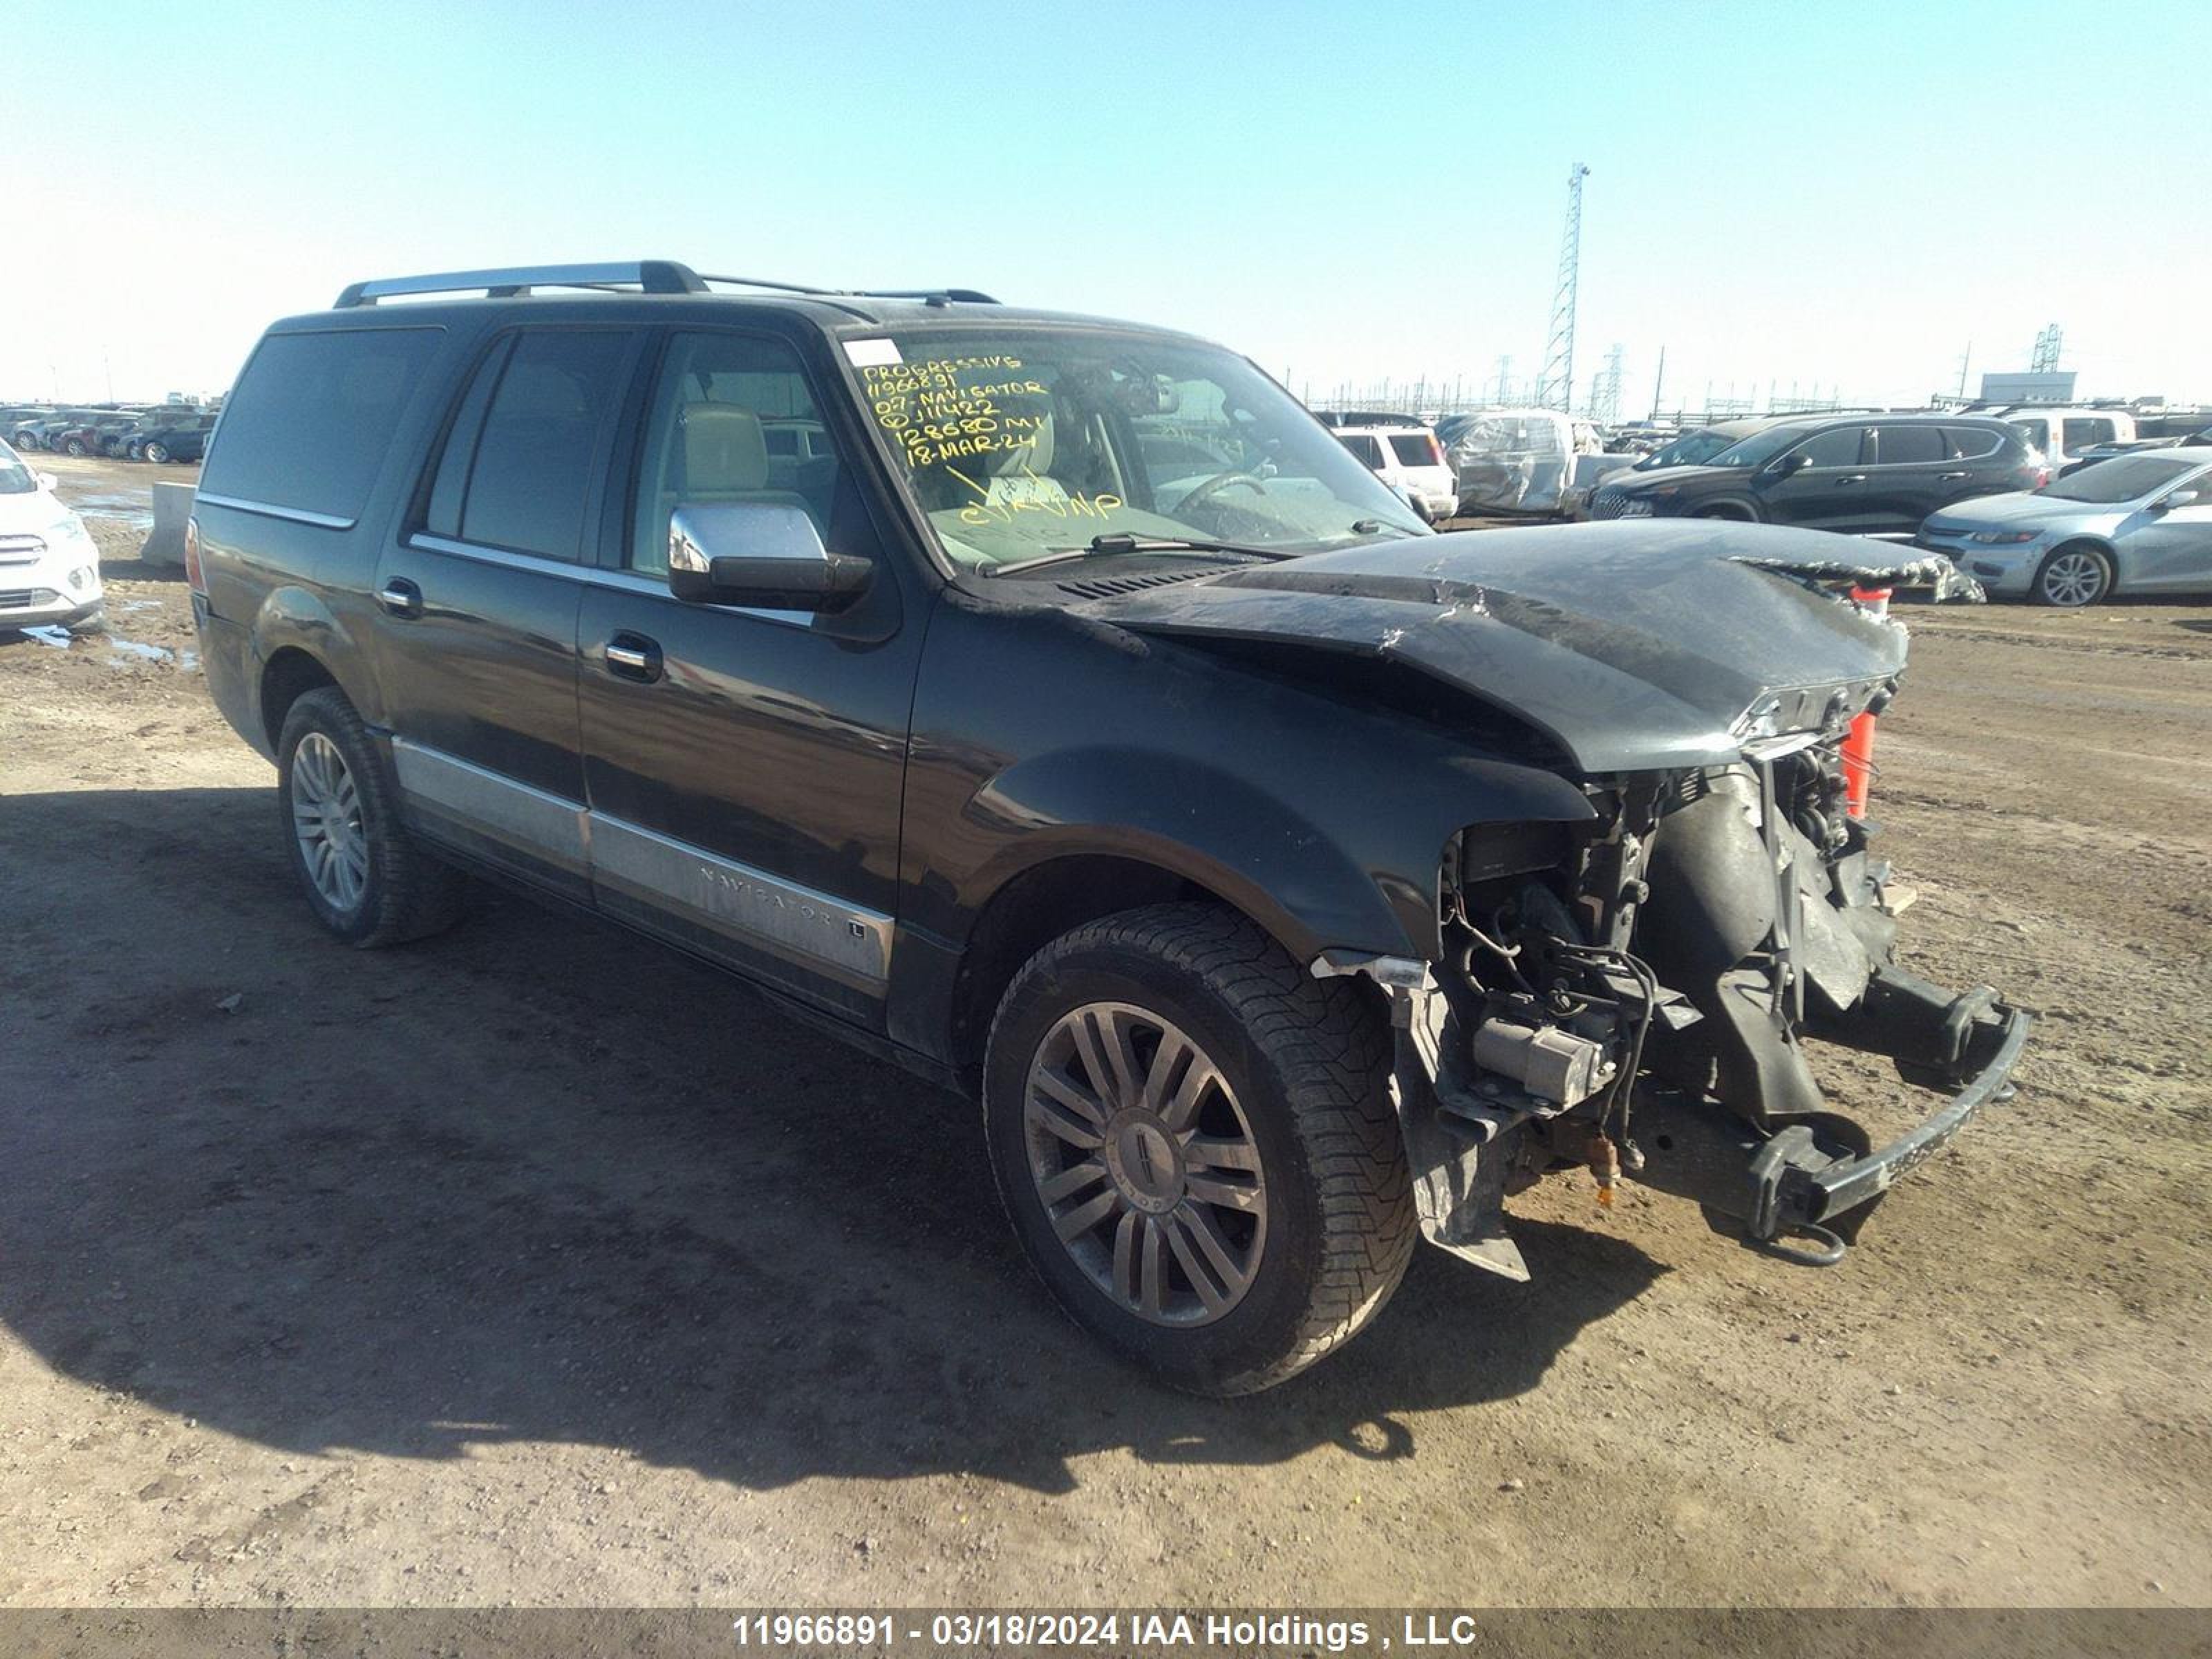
(1146, 1164)
(1195, 1142)
(2073, 577)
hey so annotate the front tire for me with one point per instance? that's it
(2072, 577)
(155, 454)
(1195, 1142)
(366, 879)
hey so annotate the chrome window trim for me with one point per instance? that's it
(270, 510)
(591, 576)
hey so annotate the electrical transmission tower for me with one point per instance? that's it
(2046, 361)
(1557, 382)
(1605, 389)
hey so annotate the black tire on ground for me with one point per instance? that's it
(155, 454)
(2072, 576)
(406, 894)
(1306, 1063)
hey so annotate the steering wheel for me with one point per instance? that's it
(1214, 485)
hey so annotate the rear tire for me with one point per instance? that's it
(366, 879)
(2072, 576)
(155, 454)
(1242, 1204)
(74, 446)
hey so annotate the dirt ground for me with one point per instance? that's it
(533, 1265)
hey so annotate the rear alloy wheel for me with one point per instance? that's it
(155, 454)
(366, 879)
(2072, 577)
(1196, 1145)
(74, 446)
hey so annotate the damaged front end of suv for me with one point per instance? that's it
(1633, 994)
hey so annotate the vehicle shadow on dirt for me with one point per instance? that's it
(537, 1180)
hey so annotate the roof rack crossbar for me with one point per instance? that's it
(972, 296)
(649, 275)
(780, 287)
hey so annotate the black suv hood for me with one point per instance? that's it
(1635, 646)
(1678, 478)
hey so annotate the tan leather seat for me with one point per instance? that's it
(724, 457)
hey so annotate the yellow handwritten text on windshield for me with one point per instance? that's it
(951, 409)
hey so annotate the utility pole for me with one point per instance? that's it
(2046, 361)
(1659, 383)
(1504, 378)
(1554, 386)
(1965, 361)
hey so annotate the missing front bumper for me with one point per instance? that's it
(1804, 1180)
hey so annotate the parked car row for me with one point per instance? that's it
(154, 434)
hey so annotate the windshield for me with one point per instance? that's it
(1024, 442)
(1759, 448)
(1691, 449)
(2122, 479)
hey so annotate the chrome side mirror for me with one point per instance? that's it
(764, 554)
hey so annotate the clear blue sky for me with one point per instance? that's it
(1834, 193)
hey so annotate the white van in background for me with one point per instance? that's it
(2063, 433)
(1406, 455)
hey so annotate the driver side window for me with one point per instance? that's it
(732, 419)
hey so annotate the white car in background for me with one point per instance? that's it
(1406, 455)
(49, 564)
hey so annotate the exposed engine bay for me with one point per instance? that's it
(1634, 999)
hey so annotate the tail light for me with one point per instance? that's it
(195, 578)
(1436, 451)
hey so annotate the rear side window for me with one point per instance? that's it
(1971, 443)
(1414, 449)
(1908, 445)
(2038, 433)
(2079, 435)
(1366, 448)
(519, 463)
(313, 415)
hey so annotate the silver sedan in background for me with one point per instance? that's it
(2138, 523)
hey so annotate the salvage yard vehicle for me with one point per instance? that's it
(2137, 524)
(49, 563)
(1512, 460)
(176, 437)
(1405, 454)
(2064, 435)
(1099, 740)
(1868, 475)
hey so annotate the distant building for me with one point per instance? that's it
(2055, 387)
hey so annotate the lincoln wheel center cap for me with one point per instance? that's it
(1145, 1162)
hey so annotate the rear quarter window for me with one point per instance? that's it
(1413, 449)
(312, 416)
(1366, 448)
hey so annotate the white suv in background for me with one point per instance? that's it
(2063, 433)
(1406, 455)
(49, 565)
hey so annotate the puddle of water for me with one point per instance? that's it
(125, 509)
(138, 604)
(134, 647)
(120, 651)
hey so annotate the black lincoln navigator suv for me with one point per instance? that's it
(1051, 707)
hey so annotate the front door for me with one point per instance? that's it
(1829, 491)
(2171, 552)
(476, 630)
(1913, 475)
(744, 768)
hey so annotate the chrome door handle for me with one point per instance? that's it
(1951, 477)
(1852, 477)
(401, 597)
(633, 657)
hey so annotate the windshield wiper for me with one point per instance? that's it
(1125, 543)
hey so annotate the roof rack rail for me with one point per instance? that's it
(649, 275)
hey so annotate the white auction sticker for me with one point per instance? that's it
(872, 354)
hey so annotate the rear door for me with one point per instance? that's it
(1829, 491)
(477, 598)
(745, 767)
(1908, 478)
